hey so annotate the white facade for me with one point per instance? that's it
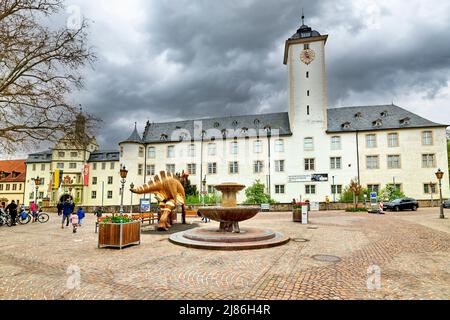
(367, 143)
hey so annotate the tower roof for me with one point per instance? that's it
(135, 137)
(304, 32)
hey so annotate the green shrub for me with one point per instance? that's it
(391, 193)
(355, 210)
(210, 199)
(255, 194)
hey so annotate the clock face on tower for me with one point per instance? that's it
(307, 56)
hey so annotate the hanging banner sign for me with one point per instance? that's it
(320, 177)
(86, 175)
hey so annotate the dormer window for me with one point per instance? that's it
(358, 115)
(235, 123)
(377, 123)
(216, 124)
(164, 137)
(345, 125)
(256, 122)
(384, 114)
(405, 121)
(244, 130)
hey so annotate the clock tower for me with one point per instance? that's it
(304, 56)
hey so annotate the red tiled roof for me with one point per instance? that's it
(10, 166)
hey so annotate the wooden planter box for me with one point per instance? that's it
(119, 235)
(297, 215)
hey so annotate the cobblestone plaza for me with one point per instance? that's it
(411, 251)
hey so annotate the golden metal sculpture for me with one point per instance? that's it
(169, 191)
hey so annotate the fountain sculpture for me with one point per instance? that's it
(229, 236)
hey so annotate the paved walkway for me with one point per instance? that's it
(410, 250)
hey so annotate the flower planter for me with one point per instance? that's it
(119, 235)
(297, 215)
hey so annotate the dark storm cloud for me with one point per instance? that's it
(225, 57)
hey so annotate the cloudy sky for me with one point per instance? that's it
(167, 60)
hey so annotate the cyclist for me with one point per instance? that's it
(34, 211)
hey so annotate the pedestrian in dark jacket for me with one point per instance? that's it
(12, 209)
(60, 207)
(68, 208)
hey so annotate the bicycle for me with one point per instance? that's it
(41, 217)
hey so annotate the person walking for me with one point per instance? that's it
(12, 209)
(68, 209)
(81, 216)
(74, 221)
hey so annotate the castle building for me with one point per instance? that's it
(309, 152)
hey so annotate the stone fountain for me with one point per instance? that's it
(229, 236)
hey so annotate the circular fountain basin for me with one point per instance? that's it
(221, 214)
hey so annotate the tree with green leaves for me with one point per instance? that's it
(391, 193)
(255, 194)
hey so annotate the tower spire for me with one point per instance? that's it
(303, 18)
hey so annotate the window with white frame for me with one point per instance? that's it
(151, 152)
(233, 167)
(192, 168)
(151, 170)
(94, 181)
(60, 165)
(371, 140)
(393, 162)
(279, 145)
(428, 160)
(280, 189)
(43, 167)
(212, 168)
(74, 154)
(336, 163)
(310, 189)
(310, 164)
(72, 165)
(141, 152)
(336, 143)
(110, 195)
(234, 147)
(94, 195)
(279, 166)
(372, 162)
(393, 140)
(94, 166)
(373, 188)
(212, 149)
(170, 168)
(258, 166)
(110, 180)
(211, 189)
(191, 150)
(103, 165)
(33, 167)
(112, 165)
(61, 154)
(170, 151)
(257, 146)
(308, 144)
(429, 188)
(427, 138)
(336, 189)
(140, 169)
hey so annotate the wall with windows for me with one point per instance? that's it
(408, 157)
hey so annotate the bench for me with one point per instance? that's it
(146, 217)
(191, 213)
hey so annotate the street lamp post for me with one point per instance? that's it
(334, 190)
(123, 175)
(131, 201)
(431, 193)
(37, 183)
(440, 175)
(203, 190)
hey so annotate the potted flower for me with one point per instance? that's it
(118, 231)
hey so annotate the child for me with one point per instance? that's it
(81, 215)
(74, 220)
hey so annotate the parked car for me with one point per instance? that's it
(447, 204)
(402, 204)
